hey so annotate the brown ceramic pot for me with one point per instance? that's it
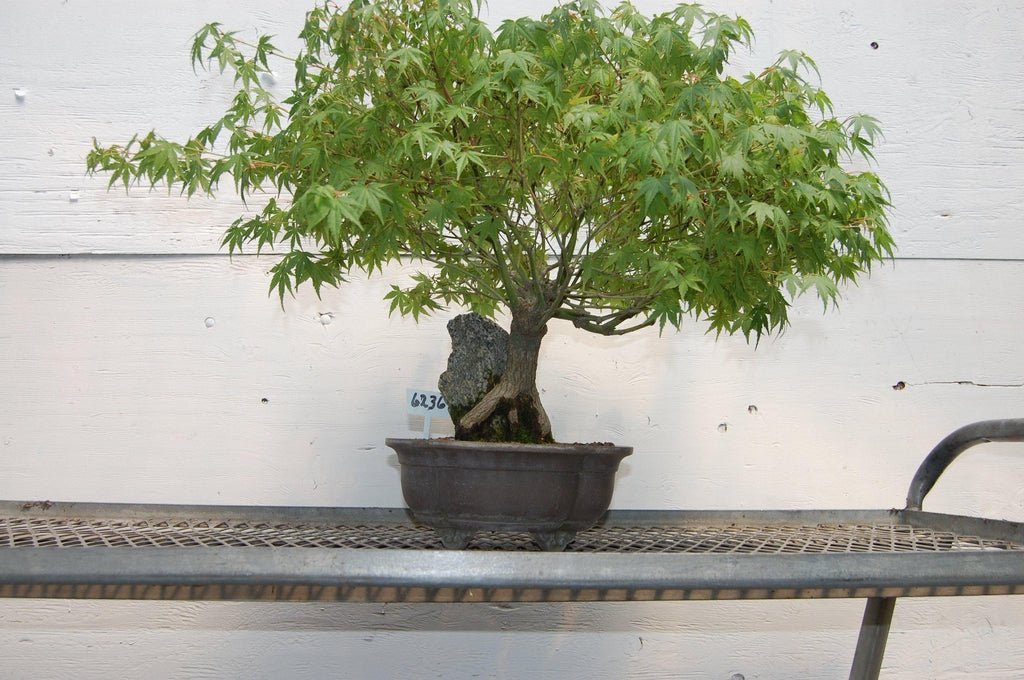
(550, 490)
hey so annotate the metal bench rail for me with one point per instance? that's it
(118, 551)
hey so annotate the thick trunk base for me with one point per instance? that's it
(511, 411)
(515, 418)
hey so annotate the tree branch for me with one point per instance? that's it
(588, 323)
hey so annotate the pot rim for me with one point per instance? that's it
(583, 449)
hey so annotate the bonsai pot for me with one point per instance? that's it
(550, 490)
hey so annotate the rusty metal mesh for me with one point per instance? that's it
(738, 539)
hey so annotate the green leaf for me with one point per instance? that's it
(734, 164)
(761, 212)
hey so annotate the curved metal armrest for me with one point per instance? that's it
(946, 451)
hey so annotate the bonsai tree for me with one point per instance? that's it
(599, 168)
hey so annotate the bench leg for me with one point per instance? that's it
(874, 631)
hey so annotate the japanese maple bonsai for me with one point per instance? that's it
(599, 168)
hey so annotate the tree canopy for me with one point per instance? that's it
(598, 167)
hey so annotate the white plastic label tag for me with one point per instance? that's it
(428, 404)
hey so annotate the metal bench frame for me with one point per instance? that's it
(102, 551)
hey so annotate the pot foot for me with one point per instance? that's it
(454, 539)
(553, 541)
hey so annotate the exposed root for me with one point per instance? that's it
(506, 414)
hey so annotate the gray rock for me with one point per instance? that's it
(477, 361)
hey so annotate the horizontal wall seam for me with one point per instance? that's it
(268, 255)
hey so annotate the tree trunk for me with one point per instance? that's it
(511, 410)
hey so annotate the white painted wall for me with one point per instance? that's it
(114, 388)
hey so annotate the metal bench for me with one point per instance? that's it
(175, 552)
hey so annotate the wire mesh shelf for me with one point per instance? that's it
(770, 539)
(76, 550)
